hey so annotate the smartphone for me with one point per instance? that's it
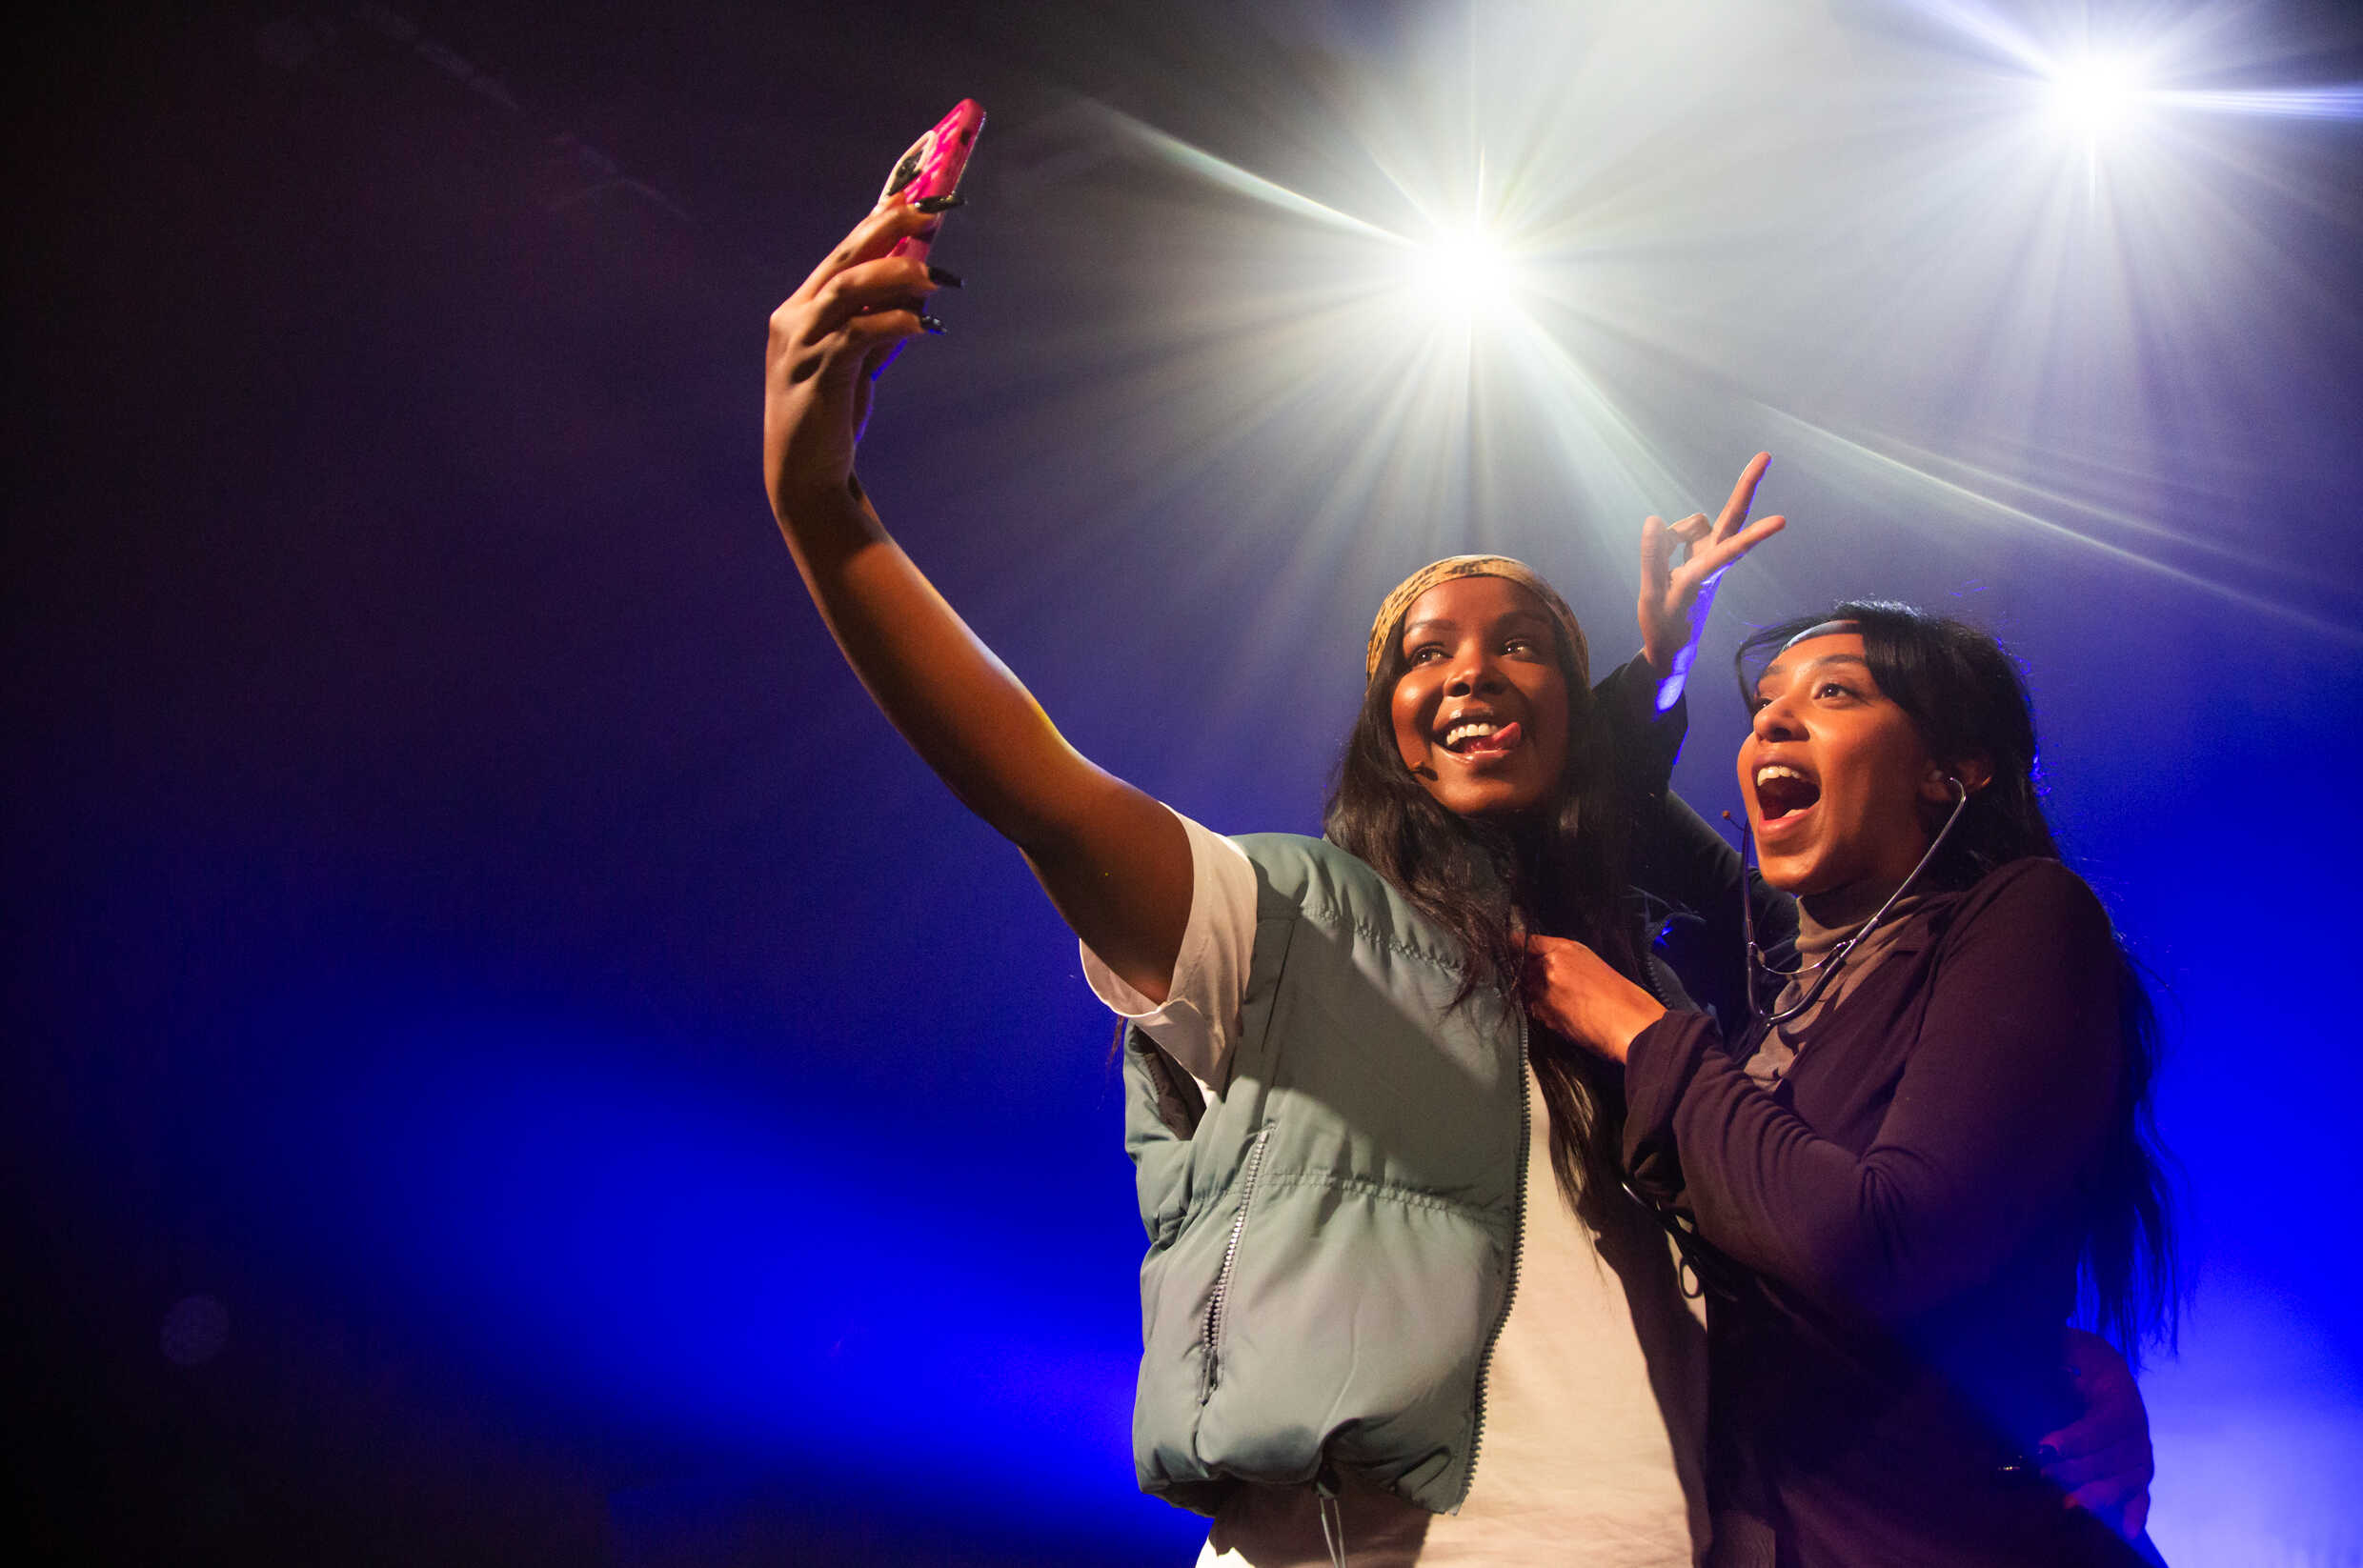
(933, 165)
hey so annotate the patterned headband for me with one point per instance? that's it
(1391, 610)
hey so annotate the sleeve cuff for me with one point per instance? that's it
(1648, 737)
(1197, 1021)
(1657, 1067)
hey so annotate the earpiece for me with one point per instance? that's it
(1941, 788)
(1949, 786)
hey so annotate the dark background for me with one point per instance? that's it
(511, 1059)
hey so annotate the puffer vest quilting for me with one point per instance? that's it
(1332, 1246)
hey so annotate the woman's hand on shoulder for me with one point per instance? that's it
(1676, 598)
(827, 339)
(1572, 989)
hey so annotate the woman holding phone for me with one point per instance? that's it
(1931, 1135)
(1384, 1230)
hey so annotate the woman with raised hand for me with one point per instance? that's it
(1384, 1230)
(1933, 1139)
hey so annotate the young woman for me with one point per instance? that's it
(1933, 1130)
(1380, 1235)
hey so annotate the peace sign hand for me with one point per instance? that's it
(1675, 599)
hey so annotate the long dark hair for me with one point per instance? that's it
(1967, 698)
(1556, 871)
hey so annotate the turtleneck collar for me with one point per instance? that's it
(1824, 919)
(1826, 922)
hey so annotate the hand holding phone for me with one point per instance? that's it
(931, 170)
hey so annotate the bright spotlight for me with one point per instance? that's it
(2095, 98)
(1461, 272)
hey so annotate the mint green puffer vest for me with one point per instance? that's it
(1331, 1244)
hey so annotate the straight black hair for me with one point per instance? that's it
(1967, 698)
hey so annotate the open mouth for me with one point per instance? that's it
(1483, 737)
(1783, 792)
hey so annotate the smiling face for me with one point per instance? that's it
(1481, 711)
(1837, 780)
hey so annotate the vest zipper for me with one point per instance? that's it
(1248, 1172)
(1517, 1246)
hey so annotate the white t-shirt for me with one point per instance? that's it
(1596, 1393)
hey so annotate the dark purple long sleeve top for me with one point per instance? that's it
(1909, 1204)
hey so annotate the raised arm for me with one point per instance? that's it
(1115, 862)
(1677, 858)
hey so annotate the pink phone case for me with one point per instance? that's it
(934, 164)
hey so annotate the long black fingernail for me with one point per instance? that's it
(933, 325)
(943, 277)
(932, 205)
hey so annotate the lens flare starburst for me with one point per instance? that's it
(1464, 274)
(1513, 280)
(2096, 98)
